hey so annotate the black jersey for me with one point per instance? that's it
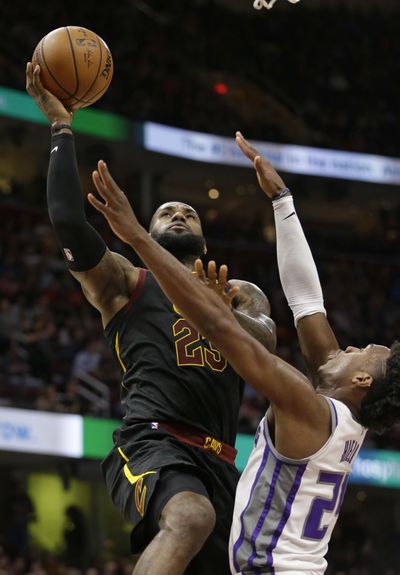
(169, 371)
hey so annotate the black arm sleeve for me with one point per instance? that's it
(81, 245)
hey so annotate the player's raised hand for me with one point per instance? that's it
(49, 104)
(216, 280)
(115, 206)
(270, 181)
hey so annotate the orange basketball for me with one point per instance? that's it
(76, 65)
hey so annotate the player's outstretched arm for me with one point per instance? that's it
(106, 278)
(282, 384)
(298, 273)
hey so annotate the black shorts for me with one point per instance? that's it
(148, 466)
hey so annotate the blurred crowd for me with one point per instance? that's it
(39, 563)
(362, 299)
(296, 74)
(358, 546)
(46, 564)
(51, 339)
(318, 77)
(355, 549)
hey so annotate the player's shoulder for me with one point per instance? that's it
(246, 286)
(251, 295)
(131, 272)
(122, 260)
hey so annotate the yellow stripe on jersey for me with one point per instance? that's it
(117, 352)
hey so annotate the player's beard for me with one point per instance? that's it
(186, 247)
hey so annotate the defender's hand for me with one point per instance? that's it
(217, 281)
(116, 207)
(50, 105)
(270, 181)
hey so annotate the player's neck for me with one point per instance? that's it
(346, 396)
(188, 261)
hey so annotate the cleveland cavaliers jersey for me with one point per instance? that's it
(285, 510)
(169, 371)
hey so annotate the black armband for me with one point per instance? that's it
(81, 245)
(56, 127)
(284, 192)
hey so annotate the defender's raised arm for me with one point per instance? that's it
(297, 270)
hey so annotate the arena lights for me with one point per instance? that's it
(221, 88)
(213, 194)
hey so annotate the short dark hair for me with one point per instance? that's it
(380, 408)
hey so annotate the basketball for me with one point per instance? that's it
(76, 65)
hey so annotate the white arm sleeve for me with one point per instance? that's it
(297, 270)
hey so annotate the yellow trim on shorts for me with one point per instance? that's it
(134, 478)
(122, 454)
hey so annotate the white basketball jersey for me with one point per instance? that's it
(285, 509)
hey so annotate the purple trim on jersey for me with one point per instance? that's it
(335, 418)
(286, 514)
(241, 536)
(267, 507)
(334, 424)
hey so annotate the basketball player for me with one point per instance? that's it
(171, 472)
(290, 493)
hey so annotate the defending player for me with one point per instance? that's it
(171, 472)
(290, 493)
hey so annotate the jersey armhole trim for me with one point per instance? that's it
(137, 291)
(334, 414)
(310, 458)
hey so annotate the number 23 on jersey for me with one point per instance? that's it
(192, 349)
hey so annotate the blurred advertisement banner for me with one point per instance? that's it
(40, 432)
(26, 431)
(291, 159)
(377, 467)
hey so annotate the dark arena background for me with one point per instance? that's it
(316, 85)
